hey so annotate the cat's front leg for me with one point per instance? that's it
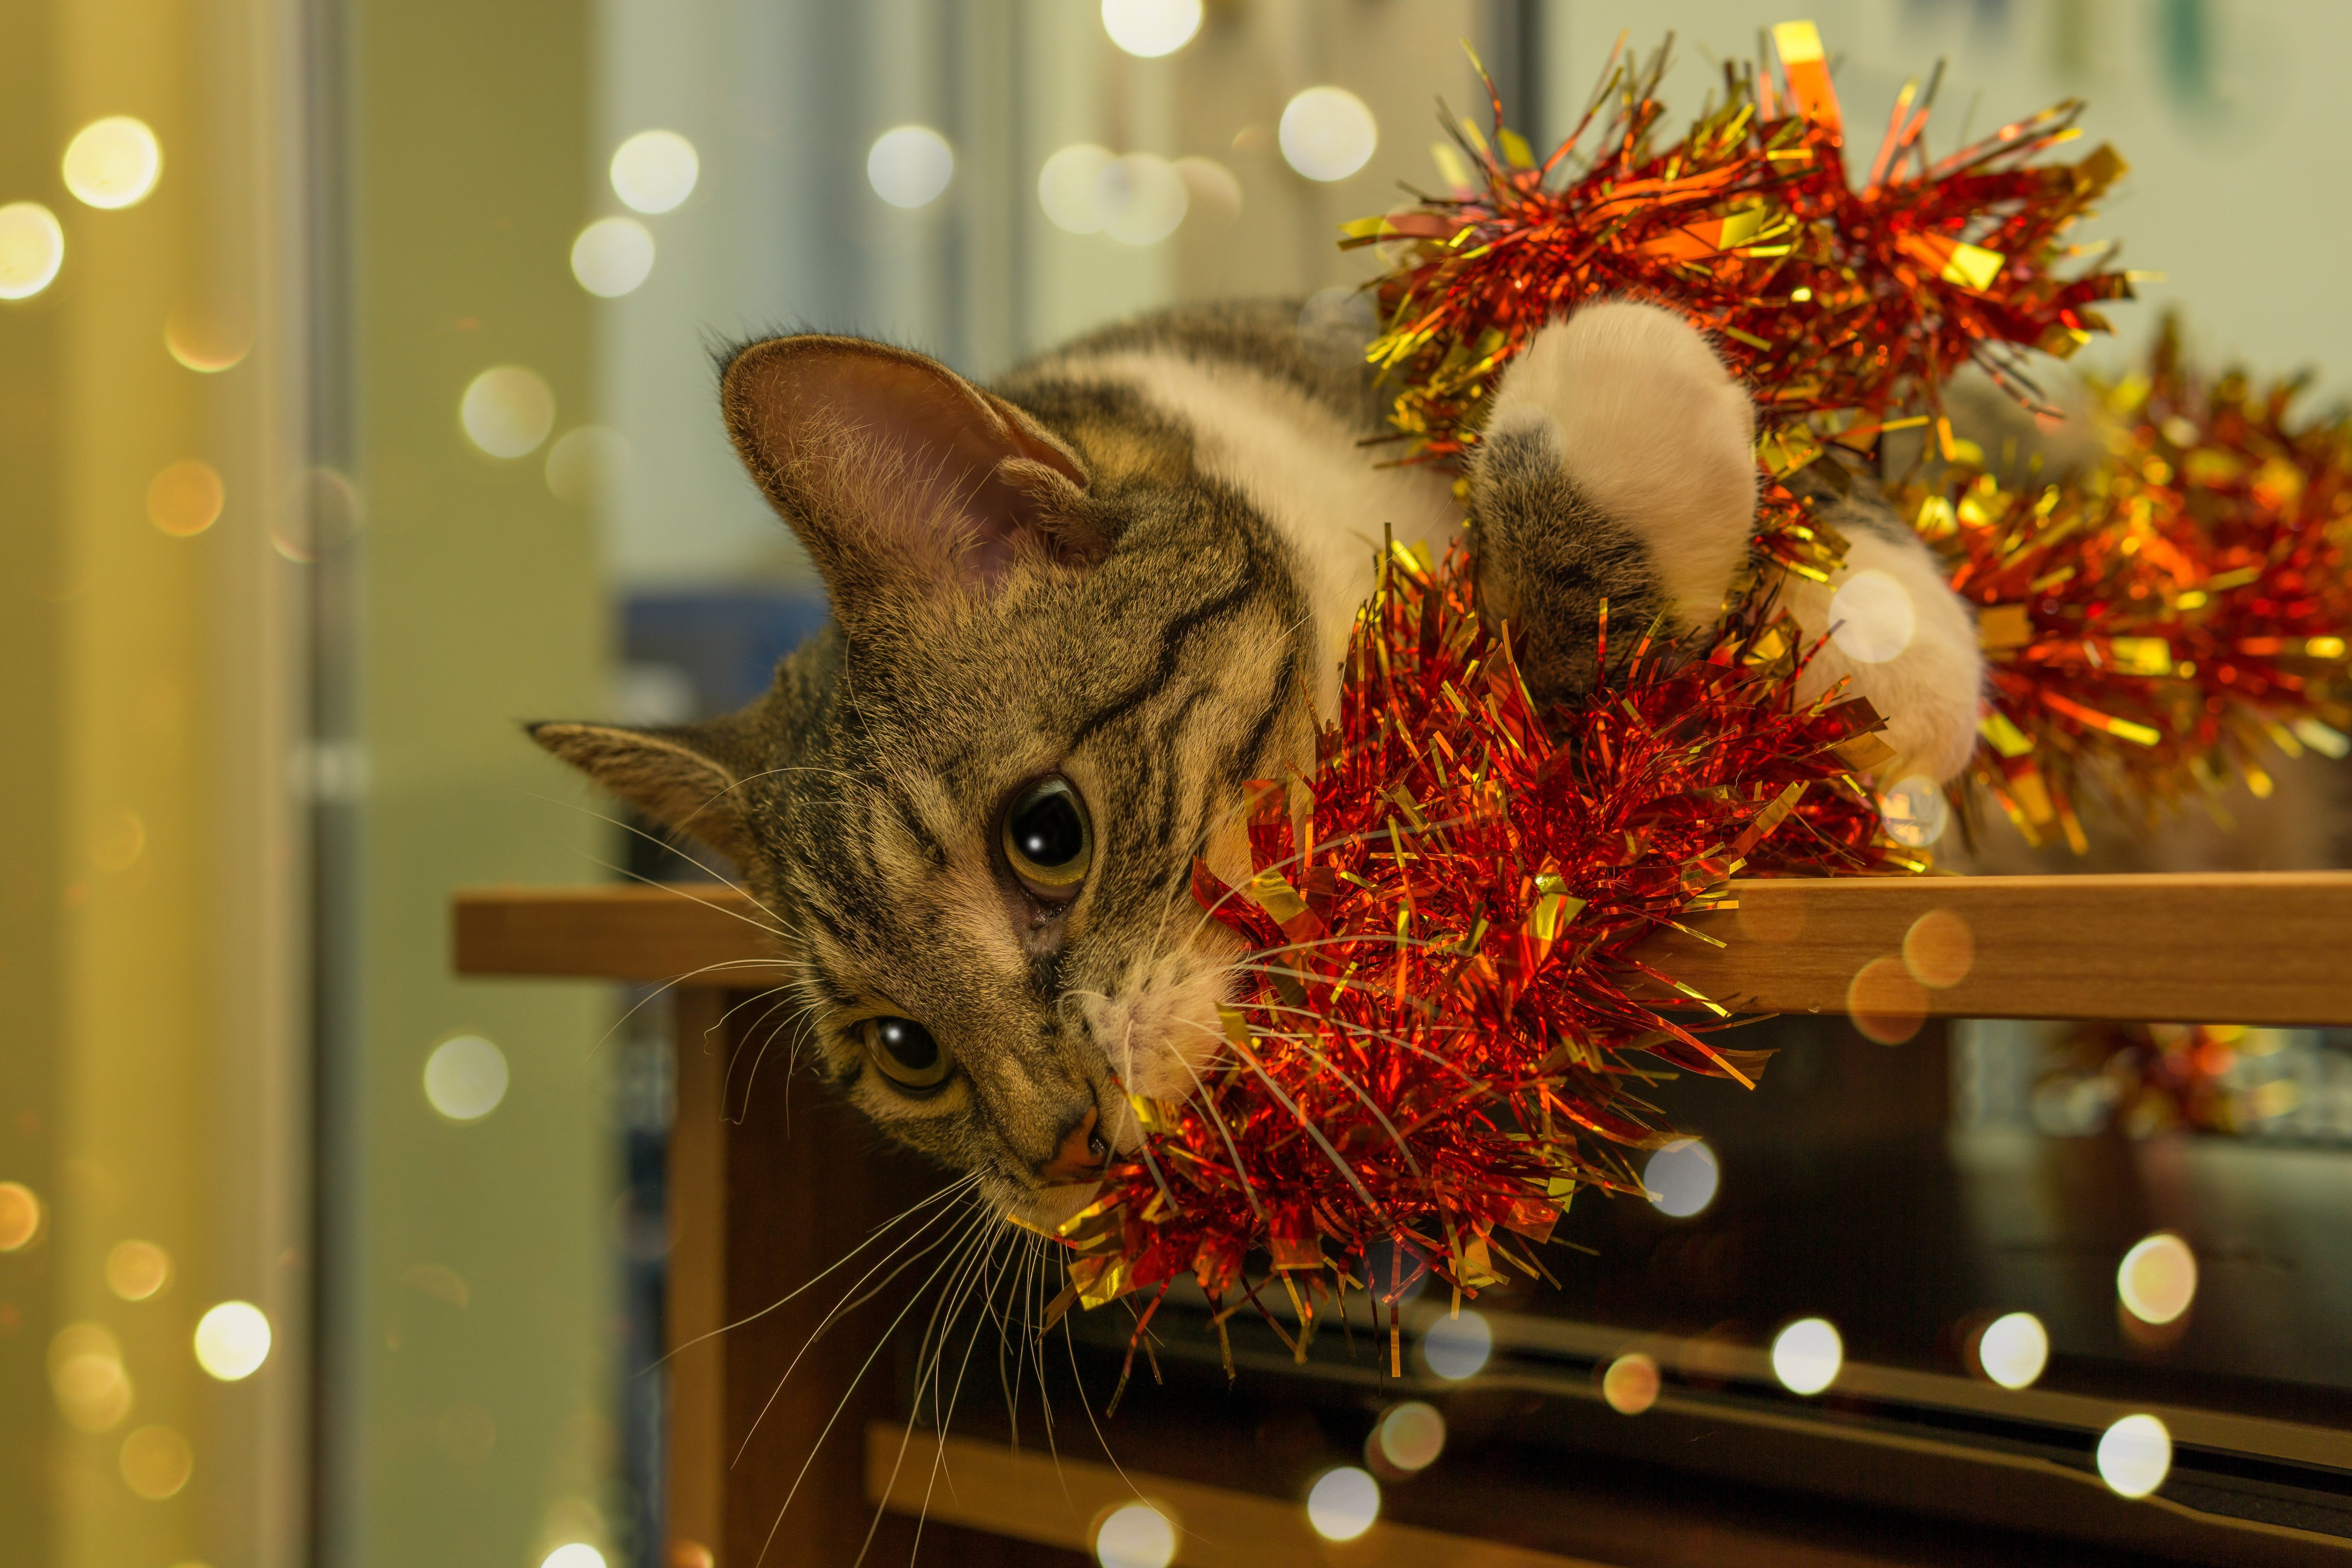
(1618, 464)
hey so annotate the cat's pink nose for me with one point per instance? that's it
(1078, 1157)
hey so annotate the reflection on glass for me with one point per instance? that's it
(1410, 1436)
(1630, 1384)
(1135, 1536)
(233, 1341)
(32, 248)
(1066, 186)
(209, 337)
(2014, 1350)
(507, 411)
(2134, 1455)
(20, 1215)
(186, 498)
(1681, 1177)
(1343, 1503)
(156, 1462)
(1457, 1347)
(911, 165)
(654, 170)
(2157, 1278)
(465, 1077)
(1915, 811)
(1327, 133)
(1140, 199)
(113, 163)
(137, 1269)
(585, 465)
(1807, 1355)
(1871, 616)
(87, 1374)
(1151, 27)
(613, 255)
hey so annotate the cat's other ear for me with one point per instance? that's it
(688, 777)
(902, 478)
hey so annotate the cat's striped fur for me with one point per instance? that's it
(1132, 565)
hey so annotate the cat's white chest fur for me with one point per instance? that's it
(1300, 464)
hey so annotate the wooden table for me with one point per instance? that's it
(757, 1202)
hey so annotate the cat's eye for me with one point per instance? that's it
(1049, 841)
(910, 1054)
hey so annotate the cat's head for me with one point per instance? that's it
(972, 804)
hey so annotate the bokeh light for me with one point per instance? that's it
(1150, 28)
(1807, 1355)
(209, 336)
(1457, 1347)
(1915, 811)
(113, 163)
(1327, 133)
(1885, 1002)
(20, 1215)
(1681, 1177)
(465, 1077)
(655, 170)
(1214, 189)
(1871, 616)
(233, 1341)
(911, 165)
(1939, 949)
(587, 464)
(86, 1373)
(2013, 1350)
(117, 839)
(1410, 1436)
(613, 255)
(137, 1269)
(2158, 1277)
(156, 1462)
(1630, 1384)
(32, 248)
(1343, 1503)
(186, 498)
(1136, 1535)
(1140, 199)
(507, 411)
(573, 1554)
(1066, 186)
(2135, 1455)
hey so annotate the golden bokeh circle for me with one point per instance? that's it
(1939, 949)
(20, 1215)
(156, 1462)
(209, 336)
(1885, 1002)
(137, 1269)
(1630, 1384)
(186, 498)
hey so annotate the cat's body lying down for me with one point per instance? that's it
(1073, 614)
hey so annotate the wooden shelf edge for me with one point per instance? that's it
(2271, 948)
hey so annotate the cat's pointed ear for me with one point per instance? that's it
(901, 478)
(688, 777)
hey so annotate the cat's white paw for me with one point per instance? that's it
(1907, 642)
(1653, 429)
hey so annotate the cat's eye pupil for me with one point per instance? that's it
(1049, 832)
(1049, 841)
(908, 1053)
(909, 1044)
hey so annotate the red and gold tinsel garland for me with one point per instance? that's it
(1444, 1026)
(2157, 624)
(1843, 308)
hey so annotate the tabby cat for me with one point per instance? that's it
(1075, 612)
